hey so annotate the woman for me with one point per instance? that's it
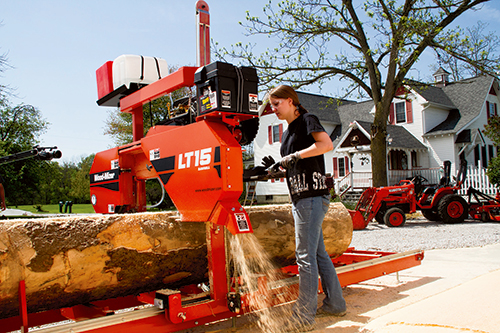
(303, 145)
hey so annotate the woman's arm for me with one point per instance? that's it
(322, 145)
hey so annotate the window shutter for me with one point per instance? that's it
(346, 165)
(487, 110)
(392, 117)
(409, 112)
(270, 134)
(281, 131)
(335, 168)
(496, 111)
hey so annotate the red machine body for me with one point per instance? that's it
(200, 166)
(389, 204)
(192, 307)
(482, 206)
(202, 174)
(437, 203)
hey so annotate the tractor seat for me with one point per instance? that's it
(429, 191)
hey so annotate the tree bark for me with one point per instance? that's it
(76, 260)
(379, 147)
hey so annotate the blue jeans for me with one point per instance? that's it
(312, 259)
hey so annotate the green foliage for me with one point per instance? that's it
(492, 131)
(20, 128)
(373, 38)
(372, 47)
(469, 51)
(54, 208)
(493, 171)
(34, 182)
(80, 182)
(154, 193)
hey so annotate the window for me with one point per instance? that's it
(484, 158)
(477, 157)
(398, 159)
(400, 112)
(275, 133)
(492, 107)
(491, 152)
(414, 162)
(341, 167)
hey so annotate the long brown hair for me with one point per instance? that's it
(284, 91)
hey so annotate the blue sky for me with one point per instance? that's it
(55, 47)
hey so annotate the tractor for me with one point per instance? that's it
(389, 204)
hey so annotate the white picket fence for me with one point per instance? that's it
(476, 178)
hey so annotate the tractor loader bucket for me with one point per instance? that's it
(358, 221)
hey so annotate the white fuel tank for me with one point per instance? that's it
(136, 69)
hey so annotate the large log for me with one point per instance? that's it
(76, 260)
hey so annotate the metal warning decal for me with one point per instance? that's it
(154, 154)
(253, 102)
(225, 99)
(242, 222)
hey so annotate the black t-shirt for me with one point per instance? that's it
(307, 177)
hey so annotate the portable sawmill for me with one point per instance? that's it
(196, 155)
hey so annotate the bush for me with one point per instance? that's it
(493, 171)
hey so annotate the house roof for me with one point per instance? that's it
(401, 138)
(468, 97)
(324, 107)
(434, 95)
(349, 113)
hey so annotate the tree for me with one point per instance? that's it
(492, 131)
(478, 46)
(20, 128)
(378, 43)
(3, 65)
(80, 182)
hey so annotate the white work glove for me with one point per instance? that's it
(289, 160)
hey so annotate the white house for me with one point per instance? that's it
(427, 126)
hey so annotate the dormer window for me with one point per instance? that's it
(441, 77)
(400, 112)
(491, 109)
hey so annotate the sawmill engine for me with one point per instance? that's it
(195, 152)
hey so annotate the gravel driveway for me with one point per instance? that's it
(420, 234)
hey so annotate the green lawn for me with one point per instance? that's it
(54, 209)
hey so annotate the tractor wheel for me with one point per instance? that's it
(394, 217)
(452, 208)
(379, 217)
(431, 215)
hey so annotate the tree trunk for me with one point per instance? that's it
(379, 148)
(70, 261)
